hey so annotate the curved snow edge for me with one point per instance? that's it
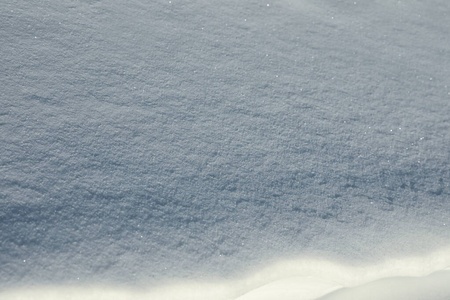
(432, 287)
(305, 278)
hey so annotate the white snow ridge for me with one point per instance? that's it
(287, 149)
(291, 279)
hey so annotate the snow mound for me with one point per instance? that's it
(423, 277)
(148, 141)
(434, 287)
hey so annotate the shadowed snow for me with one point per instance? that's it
(146, 141)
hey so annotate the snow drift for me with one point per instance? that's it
(152, 141)
(307, 279)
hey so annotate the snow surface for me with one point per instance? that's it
(305, 279)
(145, 142)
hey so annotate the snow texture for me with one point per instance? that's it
(151, 140)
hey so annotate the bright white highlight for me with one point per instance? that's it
(433, 287)
(425, 277)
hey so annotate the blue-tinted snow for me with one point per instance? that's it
(143, 140)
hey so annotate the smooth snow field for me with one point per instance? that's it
(193, 149)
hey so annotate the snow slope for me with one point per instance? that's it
(150, 141)
(305, 279)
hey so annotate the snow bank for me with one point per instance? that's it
(147, 140)
(433, 287)
(306, 279)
